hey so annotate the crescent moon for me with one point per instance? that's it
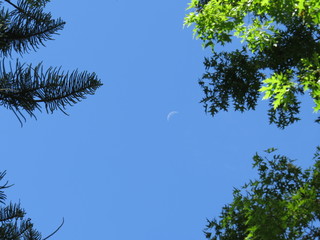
(171, 114)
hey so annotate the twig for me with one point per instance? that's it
(55, 230)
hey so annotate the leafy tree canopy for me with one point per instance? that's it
(283, 204)
(25, 26)
(279, 56)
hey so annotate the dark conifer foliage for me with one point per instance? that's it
(13, 224)
(24, 88)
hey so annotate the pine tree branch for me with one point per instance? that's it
(27, 13)
(3, 196)
(10, 212)
(15, 6)
(25, 226)
(16, 36)
(27, 28)
(26, 87)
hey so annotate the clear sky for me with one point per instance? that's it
(116, 168)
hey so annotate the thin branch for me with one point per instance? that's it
(55, 230)
(15, 6)
(27, 36)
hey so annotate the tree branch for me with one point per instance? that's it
(55, 230)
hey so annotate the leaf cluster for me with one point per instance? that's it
(235, 77)
(280, 42)
(282, 204)
(24, 27)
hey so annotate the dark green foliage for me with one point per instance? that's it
(230, 78)
(23, 88)
(283, 204)
(13, 223)
(201, 4)
(295, 42)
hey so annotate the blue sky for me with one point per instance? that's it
(116, 168)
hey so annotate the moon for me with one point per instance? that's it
(170, 114)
